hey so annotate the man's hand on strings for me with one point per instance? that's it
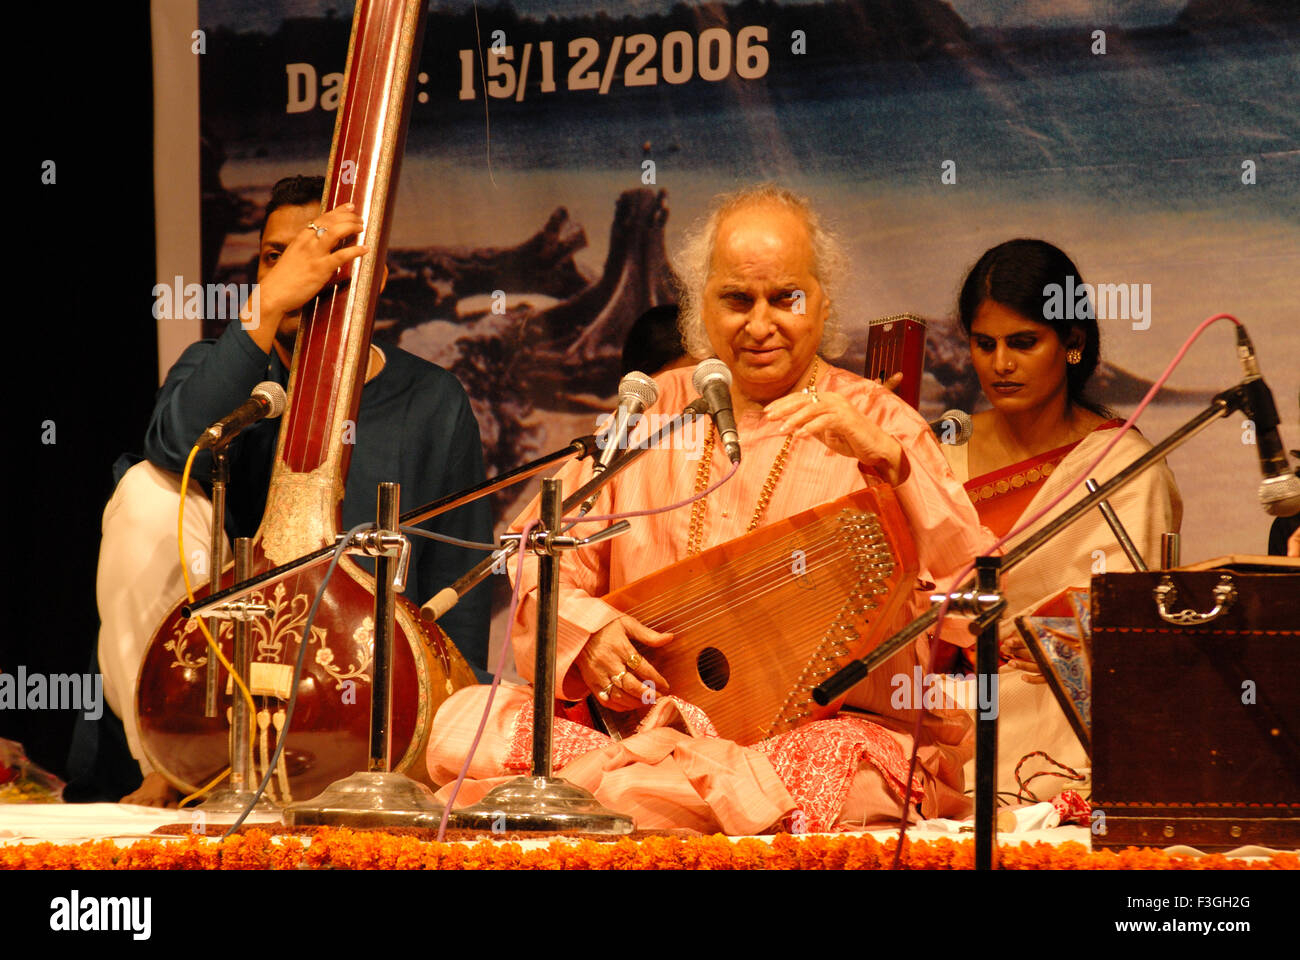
(612, 669)
(311, 260)
(837, 423)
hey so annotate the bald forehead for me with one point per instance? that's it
(763, 232)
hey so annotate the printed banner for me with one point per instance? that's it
(555, 158)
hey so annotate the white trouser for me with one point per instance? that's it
(139, 578)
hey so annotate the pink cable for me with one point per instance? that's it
(1019, 528)
(672, 506)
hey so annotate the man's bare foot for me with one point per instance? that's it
(154, 792)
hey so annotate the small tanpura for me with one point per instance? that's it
(896, 344)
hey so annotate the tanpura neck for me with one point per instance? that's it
(375, 362)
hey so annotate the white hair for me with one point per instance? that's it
(696, 257)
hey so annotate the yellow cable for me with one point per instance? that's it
(207, 635)
(202, 790)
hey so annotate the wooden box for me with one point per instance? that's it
(1196, 725)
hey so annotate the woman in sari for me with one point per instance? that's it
(1039, 436)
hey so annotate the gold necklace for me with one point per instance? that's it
(695, 536)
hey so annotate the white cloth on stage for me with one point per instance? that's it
(139, 579)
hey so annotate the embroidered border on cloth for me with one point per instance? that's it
(817, 764)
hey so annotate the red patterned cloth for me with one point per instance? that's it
(816, 762)
(1072, 807)
(569, 741)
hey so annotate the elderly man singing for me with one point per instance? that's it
(759, 293)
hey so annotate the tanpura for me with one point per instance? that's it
(330, 731)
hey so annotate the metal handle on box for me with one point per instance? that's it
(1166, 595)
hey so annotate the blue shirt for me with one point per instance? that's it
(414, 426)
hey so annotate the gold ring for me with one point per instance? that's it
(633, 661)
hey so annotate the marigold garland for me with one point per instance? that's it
(342, 849)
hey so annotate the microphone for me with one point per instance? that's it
(1279, 493)
(636, 391)
(953, 428)
(266, 400)
(713, 381)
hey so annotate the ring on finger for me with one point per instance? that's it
(633, 661)
(320, 231)
(617, 679)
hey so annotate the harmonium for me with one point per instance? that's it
(1196, 705)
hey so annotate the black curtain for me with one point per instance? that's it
(83, 363)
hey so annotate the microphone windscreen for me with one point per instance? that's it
(1280, 496)
(273, 394)
(709, 370)
(638, 386)
(964, 424)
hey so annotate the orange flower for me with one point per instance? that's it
(344, 849)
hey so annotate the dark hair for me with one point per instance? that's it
(654, 340)
(1017, 274)
(294, 192)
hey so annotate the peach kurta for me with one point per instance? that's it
(666, 776)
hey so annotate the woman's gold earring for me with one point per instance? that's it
(1074, 355)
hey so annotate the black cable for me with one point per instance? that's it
(454, 541)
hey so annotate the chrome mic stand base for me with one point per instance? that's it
(372, 799)
(541, 803)
(225, 804)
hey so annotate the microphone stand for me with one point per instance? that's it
(986, 604)
(542, 801)
(580, 447)
(220, 477)
(377, 796)
(227, 802)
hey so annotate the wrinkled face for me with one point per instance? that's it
(282, 226)
(763, 307)
(1020, 362)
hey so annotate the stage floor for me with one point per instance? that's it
(941, 844)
